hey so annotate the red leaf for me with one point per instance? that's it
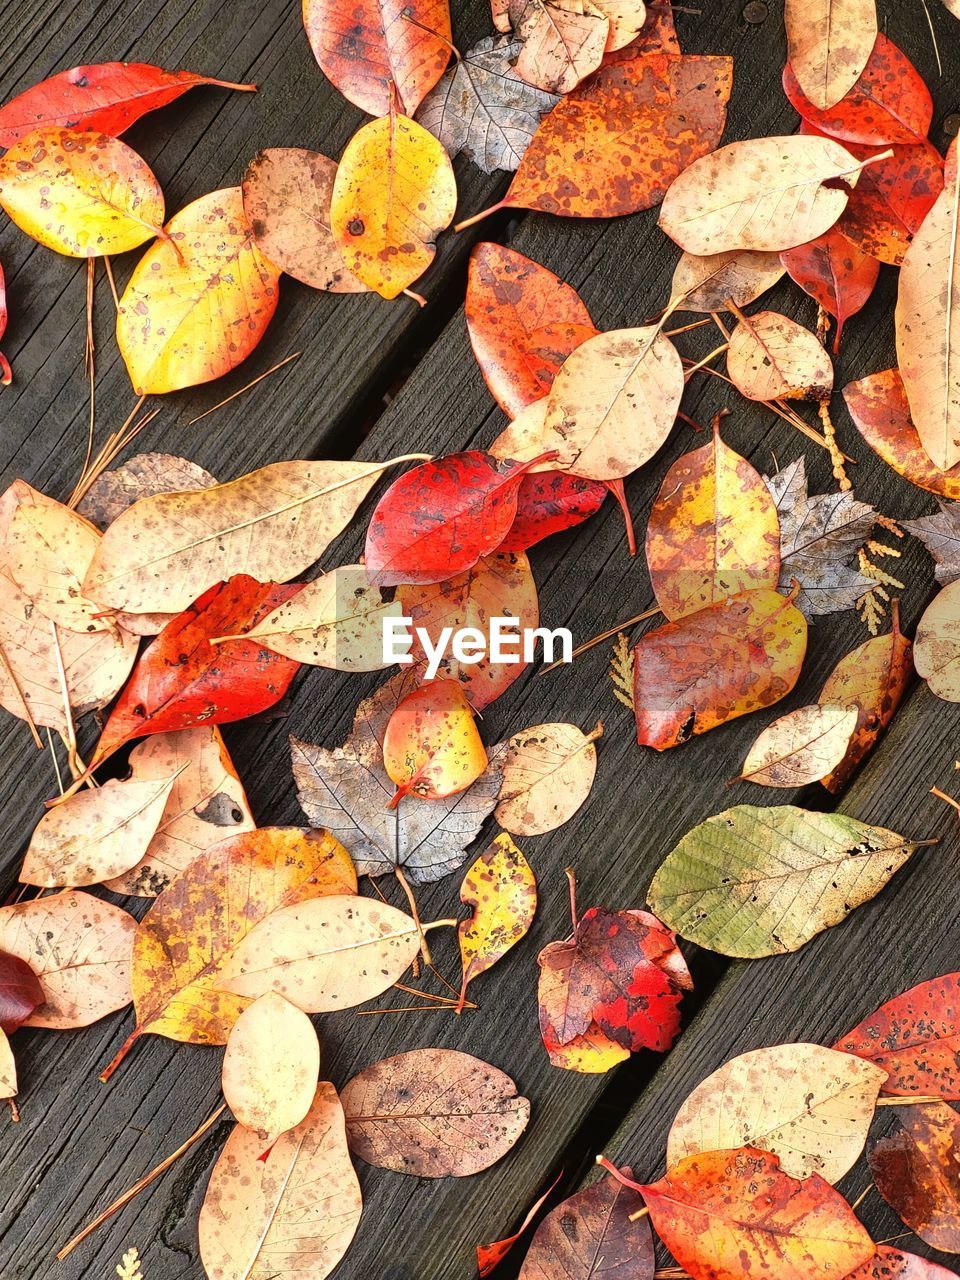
(6, 377)
(548, 502)
(20, 992)
(835, 272)
(491, 1255)
(106, 97)
(523, 323)
(439, 519)
(182, 680)
(889, 103)
(915, 1037)
(917, 1171)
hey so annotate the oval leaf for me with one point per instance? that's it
(835, 273)
(936, 647)
(917, 1171)
(270, 1068)
(139, 477)
(431, 746)
(712, 283)
(20, 992)
(771, 357)
(590, 1236)
(829, 43)
(801, 747)
(548, 771)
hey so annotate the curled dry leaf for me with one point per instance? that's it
(140, 477)
(892, 1264)
(323, 953)
(20, 992)
(431, 746)
(81, 193)
(393, 193)
(523, 323)
(288, 1212)
(801, 747)
(829, 43)
(501, 890)
(726, 1213)
(873, 679)
(563, 41)
(491, 1255)
(347, 791)
(915, 1039)
(379, 46)
(186, 941)
(434, 1113)
(753, 882)
(771, 357)
(270, 1068)
(731, 658)
(590, 1236)
(206, 805)
(810, 1106)
(711, 283)
(936, 646)
(484, 107)
(613, 402)
(764, 193)
(713, 531)
(286, 200)
(80, 950)
(8, 1069)
(96, 834)
(834, 272)
(548, 771)
(271, 524)
(917, 1171)
(106, 97)
(198, 301)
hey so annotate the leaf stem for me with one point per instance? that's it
(484, 213)
(407, 889)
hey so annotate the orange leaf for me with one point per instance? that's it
(431, 747)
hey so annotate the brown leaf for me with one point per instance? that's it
(917, 1171)
(936, 646)
(548, 771)
(590, 1237)
(711, 283)
(801, 747)
(563, 41)
(140, 477)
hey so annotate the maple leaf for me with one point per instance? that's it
(818, 536)
(940, 534)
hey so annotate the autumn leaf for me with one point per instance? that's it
(393, 193)
(726, 660)
(491, 1255)
(829, 43)
(378, 46)
(198, 301)
(940, 534)
(6, 377)
(483, 107)
(872, 678)
(548, 772)
(723, 1214)
(549, 502)
(286, 201)
(431, 746)
(753, 882)
(141, 476)
(562, 41)
(347, 791)
(713, 282)
(323, 954)
(96, 834)
(915, 1039)
(106, 97)
(590, 1236)
(20, 992)
(739, 198)
(501, 891)
(811, 1107)
(523, 323)
(592, 1053)
(936, 646)
(80, 193)
(206, 805)
(892, 1264)
(47, 552)
(270, 1067)
(80, 950)
(713, 531)
(433, 1113)
(800, 747)
(771, 357)
(917, 1171)
(291, 1211)
(835, 273)
(8, 1070)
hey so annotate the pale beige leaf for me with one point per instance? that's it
(166, 550)
(928, 327)
(324, 954)
(801, 747)
(291, 1213)
(207, 804)
(810, 1106)
(48, 551)
(563, 41)
(936, 649)
(711, 283)
(81, 950)
(336, 621)
(433, 1113)
(270, 1067)
(548, 771)
(771, 357)
(764, 193)
(626, 18)
(8, 1069)
(613, 402)
(828, 44)
(96, 834)
(522, 439)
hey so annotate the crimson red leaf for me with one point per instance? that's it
(183, 680)
(6, 377)
(106, 97)
(889, 103)
(440, 518)
(20, 992)
(835, 272)
(549, 501)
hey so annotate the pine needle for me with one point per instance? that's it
(243, 390)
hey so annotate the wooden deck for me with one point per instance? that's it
(378, 379)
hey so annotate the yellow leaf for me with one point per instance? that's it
(501, 888)
(394, 192)
(431, 747)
